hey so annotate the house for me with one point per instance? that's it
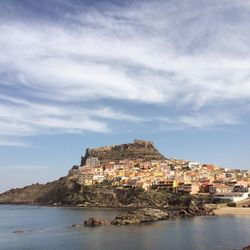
(109, 172)
(241, 188)
(232, 196)
(209, 167)
(98, 174)
(220, 188)
(86, 179)
(87, 170)
(169, 185)
(193, 164)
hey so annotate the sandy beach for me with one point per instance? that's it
(232, 211)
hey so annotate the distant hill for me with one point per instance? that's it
(138, 149)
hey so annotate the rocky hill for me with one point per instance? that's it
(138, 149)
(37, 193)
(67, 190)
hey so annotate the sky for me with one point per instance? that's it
(78, 74)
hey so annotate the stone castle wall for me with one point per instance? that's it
(137, 149)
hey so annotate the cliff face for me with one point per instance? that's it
(138, 149)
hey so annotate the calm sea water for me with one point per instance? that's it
(50, 228)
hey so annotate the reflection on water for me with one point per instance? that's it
(50, 228)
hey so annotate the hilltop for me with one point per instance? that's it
(139, 149)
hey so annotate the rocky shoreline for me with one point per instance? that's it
(137, 216)
(192, 211)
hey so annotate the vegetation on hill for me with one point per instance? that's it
(67, 192)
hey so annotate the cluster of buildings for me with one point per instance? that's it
(170, 174)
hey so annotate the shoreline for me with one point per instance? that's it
(80, 206)
(220, 211)
(232, 211)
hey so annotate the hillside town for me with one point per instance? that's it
(172, 175)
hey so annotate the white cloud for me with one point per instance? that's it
(205, 120)
(12, 142)
(185, 56)
(20, 118)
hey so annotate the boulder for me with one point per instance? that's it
(139, 216)
(93, 222)
(195, 211)
(183, 213)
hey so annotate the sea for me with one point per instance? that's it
(51, 228)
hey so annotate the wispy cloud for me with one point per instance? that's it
(199, 120)
(188, 57)
(13, 142)
(20, 118)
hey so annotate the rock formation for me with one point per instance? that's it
(195, 211)
(94, 222)
(139, 216)
(139, 149)
(130, 217)
(136, 216)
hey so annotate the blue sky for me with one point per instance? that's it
(77, 74)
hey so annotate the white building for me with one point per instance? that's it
(92, 162)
